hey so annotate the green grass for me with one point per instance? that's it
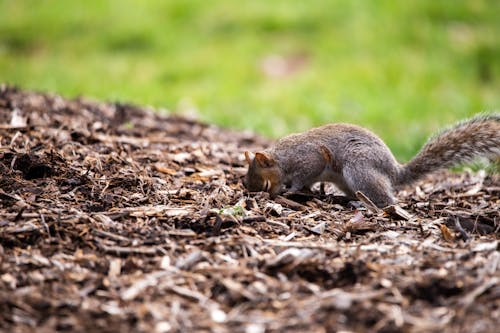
(403, 69)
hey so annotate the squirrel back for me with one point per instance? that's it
(461, 143)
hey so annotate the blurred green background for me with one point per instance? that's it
(401, 68)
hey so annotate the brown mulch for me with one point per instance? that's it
(115, 218)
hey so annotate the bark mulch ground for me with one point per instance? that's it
(115, 218)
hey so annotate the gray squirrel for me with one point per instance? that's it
(355, 159)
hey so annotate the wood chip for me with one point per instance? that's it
(367, 202)
(397, 212)
(116, 218)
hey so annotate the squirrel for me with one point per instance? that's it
(355, 159)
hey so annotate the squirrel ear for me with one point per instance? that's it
(264, 160)
(249, 157)
(327, 154)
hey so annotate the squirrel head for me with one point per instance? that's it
(263, 173)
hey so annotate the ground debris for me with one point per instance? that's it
(116, 218)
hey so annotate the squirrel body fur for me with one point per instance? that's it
(355, 159)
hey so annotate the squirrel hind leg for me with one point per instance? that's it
(374, 185)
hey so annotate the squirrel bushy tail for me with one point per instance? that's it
(476, 137)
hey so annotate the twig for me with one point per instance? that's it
(301, 245)
(110, 235)
(128, 250)
(279, 224)
(42, 218)
(290, 203)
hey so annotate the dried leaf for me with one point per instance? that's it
(447, 235)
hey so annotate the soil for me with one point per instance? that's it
(117, 218)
